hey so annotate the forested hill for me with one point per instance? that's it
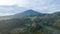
(30, 22)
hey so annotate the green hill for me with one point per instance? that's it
(33, 23)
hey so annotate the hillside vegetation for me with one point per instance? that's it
(31, 24)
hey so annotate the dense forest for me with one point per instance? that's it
(32, 23)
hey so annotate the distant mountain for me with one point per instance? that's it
(12, 23)
(31, 13)
(27, 13)
(22, 14)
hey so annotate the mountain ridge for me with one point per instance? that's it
(27, 13)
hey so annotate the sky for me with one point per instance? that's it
(45, 6)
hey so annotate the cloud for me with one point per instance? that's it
(34, 3)
(47, 6)
(7, 2)
(40, 5)
(54, 8)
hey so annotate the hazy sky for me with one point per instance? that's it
(39, 5)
